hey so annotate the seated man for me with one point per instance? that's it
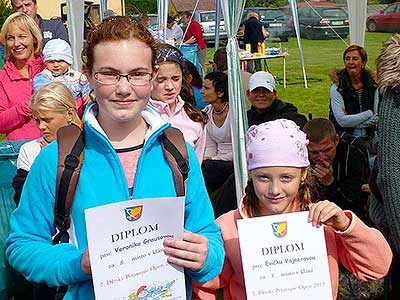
(265, 105)
(339, 167)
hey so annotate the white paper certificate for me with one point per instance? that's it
(284, 258)
(126, 252)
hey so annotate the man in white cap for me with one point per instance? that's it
(265, 106)
(50, 29)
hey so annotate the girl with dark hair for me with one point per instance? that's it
(173, 97)
(280, 183)
(217, 165)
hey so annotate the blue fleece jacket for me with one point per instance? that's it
(102, 181)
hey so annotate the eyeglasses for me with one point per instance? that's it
(137, 78)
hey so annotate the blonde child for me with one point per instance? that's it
(53, 107)
(279, 182)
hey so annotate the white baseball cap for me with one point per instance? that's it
(262, 79)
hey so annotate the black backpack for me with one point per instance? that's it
(71, 146)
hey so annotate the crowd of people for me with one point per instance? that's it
(132, 88)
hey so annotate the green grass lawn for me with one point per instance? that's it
(320, 57)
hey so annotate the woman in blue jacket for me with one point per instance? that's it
(123, 160)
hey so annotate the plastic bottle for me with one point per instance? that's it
(259, 48)
(248, 48)
(263, 48)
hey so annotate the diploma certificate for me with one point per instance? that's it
(125, 241)
(284, 258)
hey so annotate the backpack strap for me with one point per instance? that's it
(70, 158)
(175, 151)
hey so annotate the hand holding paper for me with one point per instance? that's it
(191, 252)
(328, 213)
(85, 262)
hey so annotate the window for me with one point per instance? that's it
(333, 13)
(390, 9)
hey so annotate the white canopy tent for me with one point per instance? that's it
(357, 15)
(75, 16)
(232, 12)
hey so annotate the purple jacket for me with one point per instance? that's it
(15, 94)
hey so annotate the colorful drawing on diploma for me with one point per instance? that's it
(279, 229)
(133, 213)
(153, 292)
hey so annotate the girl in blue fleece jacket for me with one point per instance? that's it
(123, 160)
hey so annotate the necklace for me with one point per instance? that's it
(218, 112)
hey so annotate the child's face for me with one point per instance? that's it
(57, 66)
(49, 122)
(121, 104)
(276, 188)
(168, 83)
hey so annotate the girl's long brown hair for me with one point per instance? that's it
(187, 95)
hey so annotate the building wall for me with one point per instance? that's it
(51, 8)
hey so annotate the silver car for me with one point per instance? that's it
(207, 21)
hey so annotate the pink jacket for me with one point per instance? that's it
(15, 94)
(361, 249)
(193, 132)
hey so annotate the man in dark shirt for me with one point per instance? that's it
(253, 34)
(51, 29)
(337, 167)
(265, 104)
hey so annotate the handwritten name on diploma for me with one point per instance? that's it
(284, 257)
(127, 256)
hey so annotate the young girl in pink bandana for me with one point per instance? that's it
(280, 182)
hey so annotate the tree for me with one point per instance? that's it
(140, 6)
(266, 3)
(5, 11)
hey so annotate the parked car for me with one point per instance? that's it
(277, 23)
(207, 20)
(323, 22)
(153, 20)
(387, 20)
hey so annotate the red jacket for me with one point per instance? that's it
(196, 30)
(15, 94)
